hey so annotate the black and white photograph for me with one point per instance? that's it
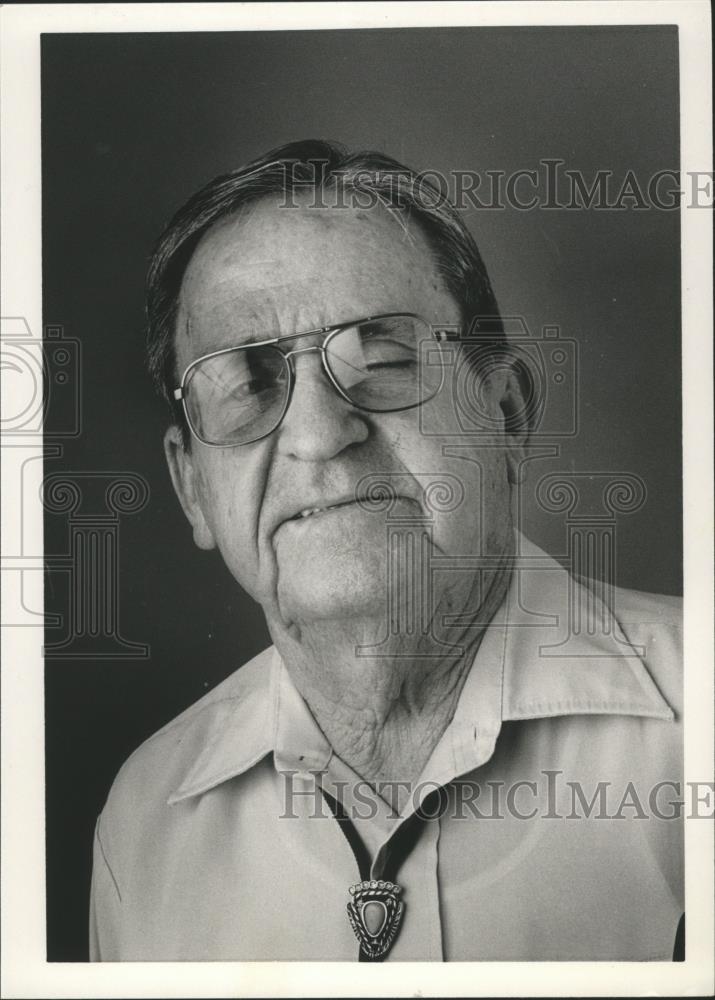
(357, 499)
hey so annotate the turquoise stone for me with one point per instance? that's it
(374, 915)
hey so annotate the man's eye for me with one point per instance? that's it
(399, 363)
(387, 353)
(249, 387)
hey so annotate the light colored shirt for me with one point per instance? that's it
(560, 839)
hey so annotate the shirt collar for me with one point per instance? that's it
(565, 651)
(553, 648)
(300, 744)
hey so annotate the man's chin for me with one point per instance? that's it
(330, 595)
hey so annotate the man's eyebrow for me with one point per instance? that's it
(238, 321)
(251, 338)
(228, 337)
(225, 343)
(258, 338)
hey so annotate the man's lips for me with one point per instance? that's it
(313, 511)
(369, 504)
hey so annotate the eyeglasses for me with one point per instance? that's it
(239, 395)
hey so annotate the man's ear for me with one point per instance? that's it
(515, 406)
(184, 476)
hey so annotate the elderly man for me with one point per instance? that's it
(411, 771)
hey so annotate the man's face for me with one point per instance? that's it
(276, 272)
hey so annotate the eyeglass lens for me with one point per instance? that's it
(239, 396)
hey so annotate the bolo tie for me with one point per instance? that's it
(376, 907)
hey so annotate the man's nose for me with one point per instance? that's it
(319, 423)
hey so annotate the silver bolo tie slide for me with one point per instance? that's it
(375, 912)
(375, 909)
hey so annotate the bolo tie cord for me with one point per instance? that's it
(398, 848)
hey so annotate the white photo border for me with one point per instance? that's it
(25, 972)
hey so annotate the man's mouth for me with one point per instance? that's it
(312, 511)
(377, 504)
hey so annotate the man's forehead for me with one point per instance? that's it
(253, 247)
(253, 269)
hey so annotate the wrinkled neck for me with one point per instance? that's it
(384, 701)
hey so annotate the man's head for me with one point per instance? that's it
(304, 239)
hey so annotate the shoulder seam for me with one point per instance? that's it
(106, 862)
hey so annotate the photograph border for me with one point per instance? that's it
(25, 972)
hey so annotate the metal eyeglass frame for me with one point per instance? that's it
(440, 334)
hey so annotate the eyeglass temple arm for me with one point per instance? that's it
(445, 333)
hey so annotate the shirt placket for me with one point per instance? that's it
(421, 937)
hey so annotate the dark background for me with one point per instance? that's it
(132, 124)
